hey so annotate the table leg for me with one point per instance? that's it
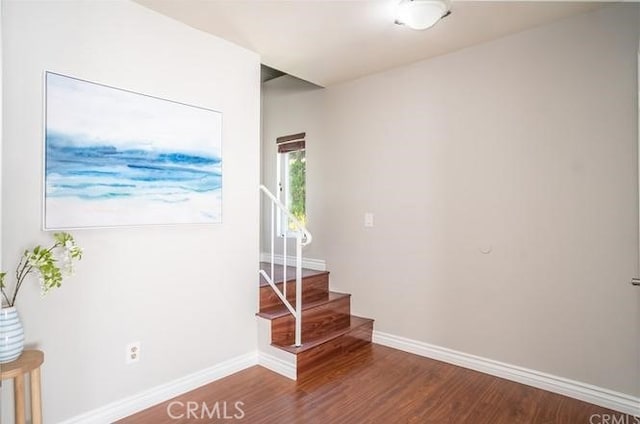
(18, 393)
(36, 397)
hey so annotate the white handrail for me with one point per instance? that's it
(292, 217)
(303, 238)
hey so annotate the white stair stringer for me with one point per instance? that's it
(277, 360)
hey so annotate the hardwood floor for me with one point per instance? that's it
(374, 384)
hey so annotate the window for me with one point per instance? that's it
(292, 180)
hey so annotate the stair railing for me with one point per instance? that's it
(303, 238)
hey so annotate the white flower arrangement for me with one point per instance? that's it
(49, 265)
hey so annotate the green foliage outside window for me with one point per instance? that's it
(297, 188)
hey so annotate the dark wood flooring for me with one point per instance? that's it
(374, 384)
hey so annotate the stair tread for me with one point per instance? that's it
(291, 273)
(355, 323)
(281, 310)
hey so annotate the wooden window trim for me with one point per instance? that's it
(291, 143)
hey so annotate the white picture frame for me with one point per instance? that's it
(114, 157)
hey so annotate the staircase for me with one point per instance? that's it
(328, 328)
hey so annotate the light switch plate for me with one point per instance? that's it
(368, 220)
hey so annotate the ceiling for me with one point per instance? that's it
(327, 42)
(267, 73)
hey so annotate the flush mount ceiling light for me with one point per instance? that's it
(421, 14)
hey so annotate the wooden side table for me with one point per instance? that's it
(29, 362)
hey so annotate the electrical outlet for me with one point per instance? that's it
(133, 352)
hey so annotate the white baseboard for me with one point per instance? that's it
(316, 264)
(276, 360)
(128, 406)
(582, 391)
(277, 365)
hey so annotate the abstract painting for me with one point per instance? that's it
(119, 158)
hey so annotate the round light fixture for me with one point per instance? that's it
(421, 14)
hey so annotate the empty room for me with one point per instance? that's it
(310, 211)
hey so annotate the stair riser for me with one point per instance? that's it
(313, 288)
(316, 322)
(319, 355)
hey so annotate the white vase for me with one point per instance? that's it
(11, 335)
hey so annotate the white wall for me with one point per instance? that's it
(291, 106)
(188, 293)
(1, 131)
(526, 145)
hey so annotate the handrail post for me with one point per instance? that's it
(284, 263)
(273, 259)
(298, 289)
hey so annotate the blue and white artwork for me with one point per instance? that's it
(114, 157)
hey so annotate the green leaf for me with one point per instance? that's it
(44, 263)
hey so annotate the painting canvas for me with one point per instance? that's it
(118, 158)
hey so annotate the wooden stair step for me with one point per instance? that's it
(279, 311)
(356, 323)
(315, 286)
(315, 354)
(328, 328)
(291, 273)
(318, 318)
